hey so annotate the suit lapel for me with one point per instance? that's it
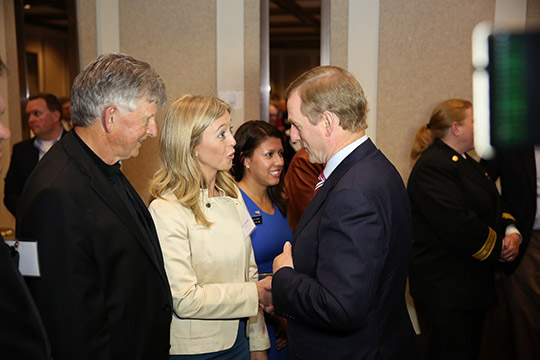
(365, 149)
(109, 196)
(106, 192)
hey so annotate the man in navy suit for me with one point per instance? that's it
(344, 292)
(44, 119)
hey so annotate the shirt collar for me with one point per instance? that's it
(45, 145)
(39, 141)
(338, 157)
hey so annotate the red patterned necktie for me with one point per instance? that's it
(322, 179)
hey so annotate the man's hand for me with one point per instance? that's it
(284, 259)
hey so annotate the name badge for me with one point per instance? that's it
(247, 223)
(28, 257)
(257, 219)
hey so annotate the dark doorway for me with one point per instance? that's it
(295, 41)
(47, 47)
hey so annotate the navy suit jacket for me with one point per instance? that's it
(345, 297)
(103, 291)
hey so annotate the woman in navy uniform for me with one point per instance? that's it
(460, 233)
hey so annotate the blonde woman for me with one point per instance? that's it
(203, 228)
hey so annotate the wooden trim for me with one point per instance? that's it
(21, 59)
(73, 40)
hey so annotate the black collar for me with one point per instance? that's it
(108, 170)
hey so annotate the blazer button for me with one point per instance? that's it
(165, 307)
(208, 205)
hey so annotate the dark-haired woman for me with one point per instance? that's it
(460, 234)
(258, 169)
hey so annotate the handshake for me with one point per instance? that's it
(264, 289)
(264, 286)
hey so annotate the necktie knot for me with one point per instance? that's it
(321, 181)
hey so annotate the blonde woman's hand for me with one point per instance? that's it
(259, 355)
(264, 290)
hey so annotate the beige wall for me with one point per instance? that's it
(424, 58)
(86, 27)
(533, 15)
(339, 34)
(178, 38)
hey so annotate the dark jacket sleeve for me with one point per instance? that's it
(24, 158)
(22, 335)
(12, 186)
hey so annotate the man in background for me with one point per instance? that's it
(66, 113)
(273, 116)
(103, 292)
(44, 113)
(22, 335)
(519, 172)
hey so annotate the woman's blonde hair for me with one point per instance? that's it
(440, 121)
(179, 172)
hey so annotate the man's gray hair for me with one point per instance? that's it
(113, 79)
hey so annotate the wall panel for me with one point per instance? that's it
(178, 38)
(424, 58)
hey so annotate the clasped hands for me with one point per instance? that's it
(264, 286)
(510, 247)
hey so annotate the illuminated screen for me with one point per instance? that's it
(514, 89)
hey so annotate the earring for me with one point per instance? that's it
(196, 154)
(247, 166)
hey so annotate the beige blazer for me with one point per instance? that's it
(212, 273)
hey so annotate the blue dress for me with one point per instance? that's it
(268, 238)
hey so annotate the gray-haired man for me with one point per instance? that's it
(103, 291)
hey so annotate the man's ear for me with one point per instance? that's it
(330, 122)
(110, 115)
(57, 115)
